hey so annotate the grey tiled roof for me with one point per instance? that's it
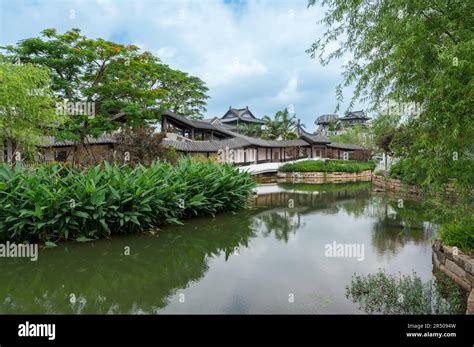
(242, 119)
(194, 146)
(236, 142)
(240, 113)
(344, 146)
(197, 124)
(50, 141)
(314, 138)
(354, 115)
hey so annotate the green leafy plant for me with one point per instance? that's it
(328, 166)
(51, 203)
(459, 232)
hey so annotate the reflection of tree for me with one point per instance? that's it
(308, 198)
(283, 209)
(102, 279)
(280, 223)
(357, 206)
(395, 226)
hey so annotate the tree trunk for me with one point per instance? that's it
(11, 149)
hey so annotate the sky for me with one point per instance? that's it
(249, 53)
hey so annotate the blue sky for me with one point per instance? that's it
(249, 53)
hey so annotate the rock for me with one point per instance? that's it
(470, 278)
(470, 303)
(448, 252)
(438, 245)
(436, 262)
(453, 267)
(469, 265)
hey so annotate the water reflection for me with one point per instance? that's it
(247, 262)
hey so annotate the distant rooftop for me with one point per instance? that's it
(326, 118)
(355, 115)
(240, 114)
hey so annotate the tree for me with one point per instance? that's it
(116, 84)
(186, 95)
(288, 124)
(414, 52)
(383, 129)
(357, 134)
(272, 128)
(26, 108)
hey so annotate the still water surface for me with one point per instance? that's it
(270, 259)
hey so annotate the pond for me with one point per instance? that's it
(270, 259)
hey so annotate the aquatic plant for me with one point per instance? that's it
(405, 294)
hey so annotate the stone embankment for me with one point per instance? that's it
(458, 266)
(324, 177)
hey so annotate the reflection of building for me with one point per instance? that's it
(212, 137)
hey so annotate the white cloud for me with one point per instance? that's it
(234, 71)
(289, 94)
(248, 54)
(166, 53)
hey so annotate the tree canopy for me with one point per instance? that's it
(283, 126)
(419, 52)
(123, 83)
(26, 106)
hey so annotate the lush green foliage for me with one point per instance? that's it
(419, 53)
(57, 203)
(403, 170)
(357, 135)
(402, 294)
(281, 127)
(254, 130)
(459, 232)
(120, 83)
(328, 166)
(26, 105)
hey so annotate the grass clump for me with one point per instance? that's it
(459, 233)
